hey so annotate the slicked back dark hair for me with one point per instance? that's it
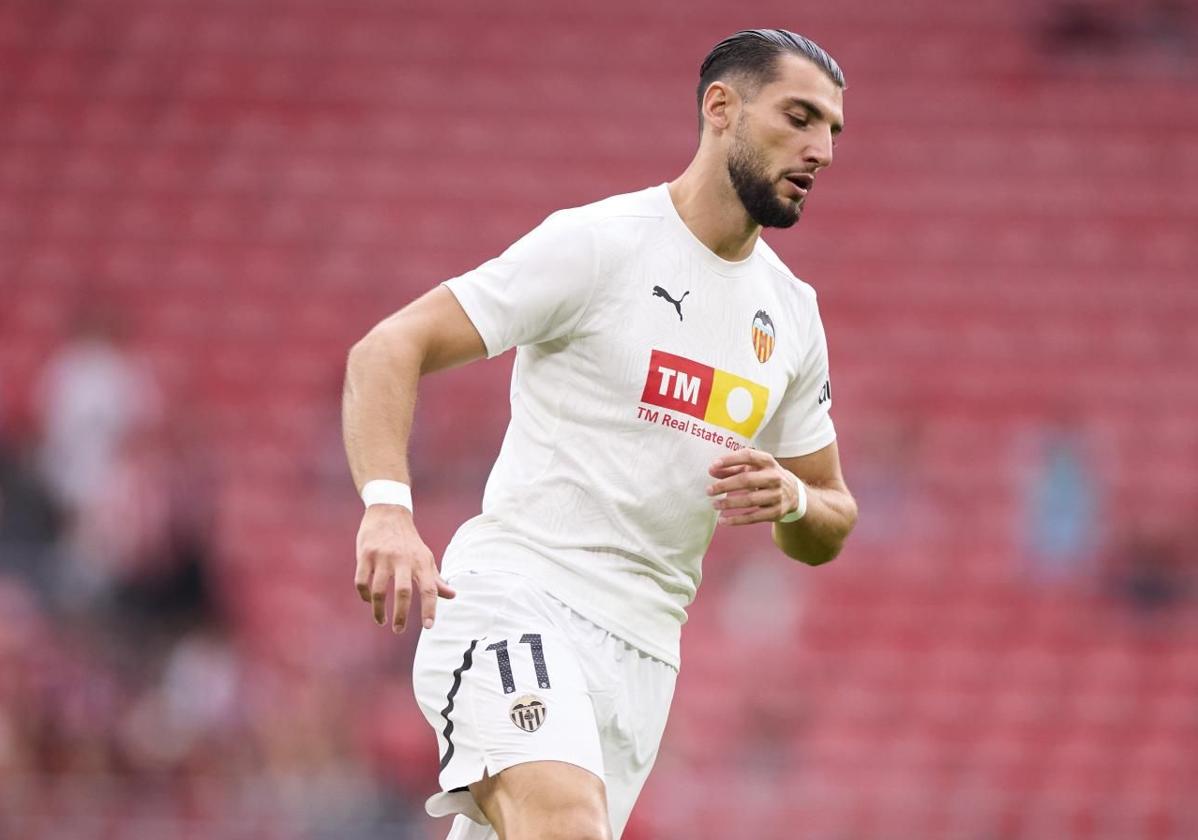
(752, 55)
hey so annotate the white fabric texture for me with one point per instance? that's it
(642, 356)
(605, 704)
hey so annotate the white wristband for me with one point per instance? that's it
(382, 492)
(801, 491)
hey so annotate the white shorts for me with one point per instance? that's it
(508, 674)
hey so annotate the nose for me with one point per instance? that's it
(819, 151)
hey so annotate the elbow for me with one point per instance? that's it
(828, 549)
(356, 360)
(378, 338)
(386, 342)
(821, 556)
(362, 349)
(810, 552)
(356, 352)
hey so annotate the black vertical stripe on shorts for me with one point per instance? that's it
(467, 660)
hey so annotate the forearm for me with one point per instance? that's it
(431, 333)
(818, 537)
(378, 403)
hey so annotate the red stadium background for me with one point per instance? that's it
(203, 204)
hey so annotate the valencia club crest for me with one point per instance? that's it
(528, 713)
(763, 336)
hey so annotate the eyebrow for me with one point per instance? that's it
(815, 111)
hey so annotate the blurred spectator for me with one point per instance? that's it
(194, 702)
(1082, 27)
(29, 519)
(1148, 570)
(93, 395)
(100, 406)
(760, 602)
(1169, 25)
(1061, 509)
(1088, 28)
(165, 488)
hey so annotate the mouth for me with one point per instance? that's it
(802, 181)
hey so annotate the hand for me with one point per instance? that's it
(754, 486)
(391, 553)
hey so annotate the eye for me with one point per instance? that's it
(796, 121)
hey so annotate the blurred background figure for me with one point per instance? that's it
(1062, 509)
(203, 204)
(1153, 571)
(1154, 30)
(93, 397)
(96, 405)
(30, 520)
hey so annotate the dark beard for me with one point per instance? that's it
(755, 190)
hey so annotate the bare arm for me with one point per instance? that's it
(758, 491)
(431, 333)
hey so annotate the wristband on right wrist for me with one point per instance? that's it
(384, 492)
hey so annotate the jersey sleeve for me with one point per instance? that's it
(535, 291)
(803, 422)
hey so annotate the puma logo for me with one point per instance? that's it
(658, 291)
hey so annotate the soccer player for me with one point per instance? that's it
(671, 375)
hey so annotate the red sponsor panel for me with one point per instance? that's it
(678, 384)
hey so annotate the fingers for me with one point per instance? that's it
(403, 600)
(748, 488)
(372, 588)
(748, 499)
(743, 507)
(725, 472)
(748, 516)
(392, 557)
(741, 457)
(429, 583)
(378, 593)
(431, 586)
(362, 577)
(747, 480)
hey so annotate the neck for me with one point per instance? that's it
(707, 203)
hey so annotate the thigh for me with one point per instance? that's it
(545, 799)
(501, 685)
(632, 692)
(631, 736)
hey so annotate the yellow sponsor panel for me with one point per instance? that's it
(736, 404)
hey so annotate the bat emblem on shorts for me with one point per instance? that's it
(528, 713)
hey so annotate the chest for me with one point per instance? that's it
(695, 346)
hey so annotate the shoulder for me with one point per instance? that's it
(791, 288)
(643, 205)
(798, 299)
(615, 224)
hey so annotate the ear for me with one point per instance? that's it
(720, 103)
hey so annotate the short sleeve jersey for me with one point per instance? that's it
(641, 357)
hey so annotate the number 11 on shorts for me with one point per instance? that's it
(533, 640)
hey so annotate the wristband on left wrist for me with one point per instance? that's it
(801, 508)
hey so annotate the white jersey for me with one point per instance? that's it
(642, 357)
